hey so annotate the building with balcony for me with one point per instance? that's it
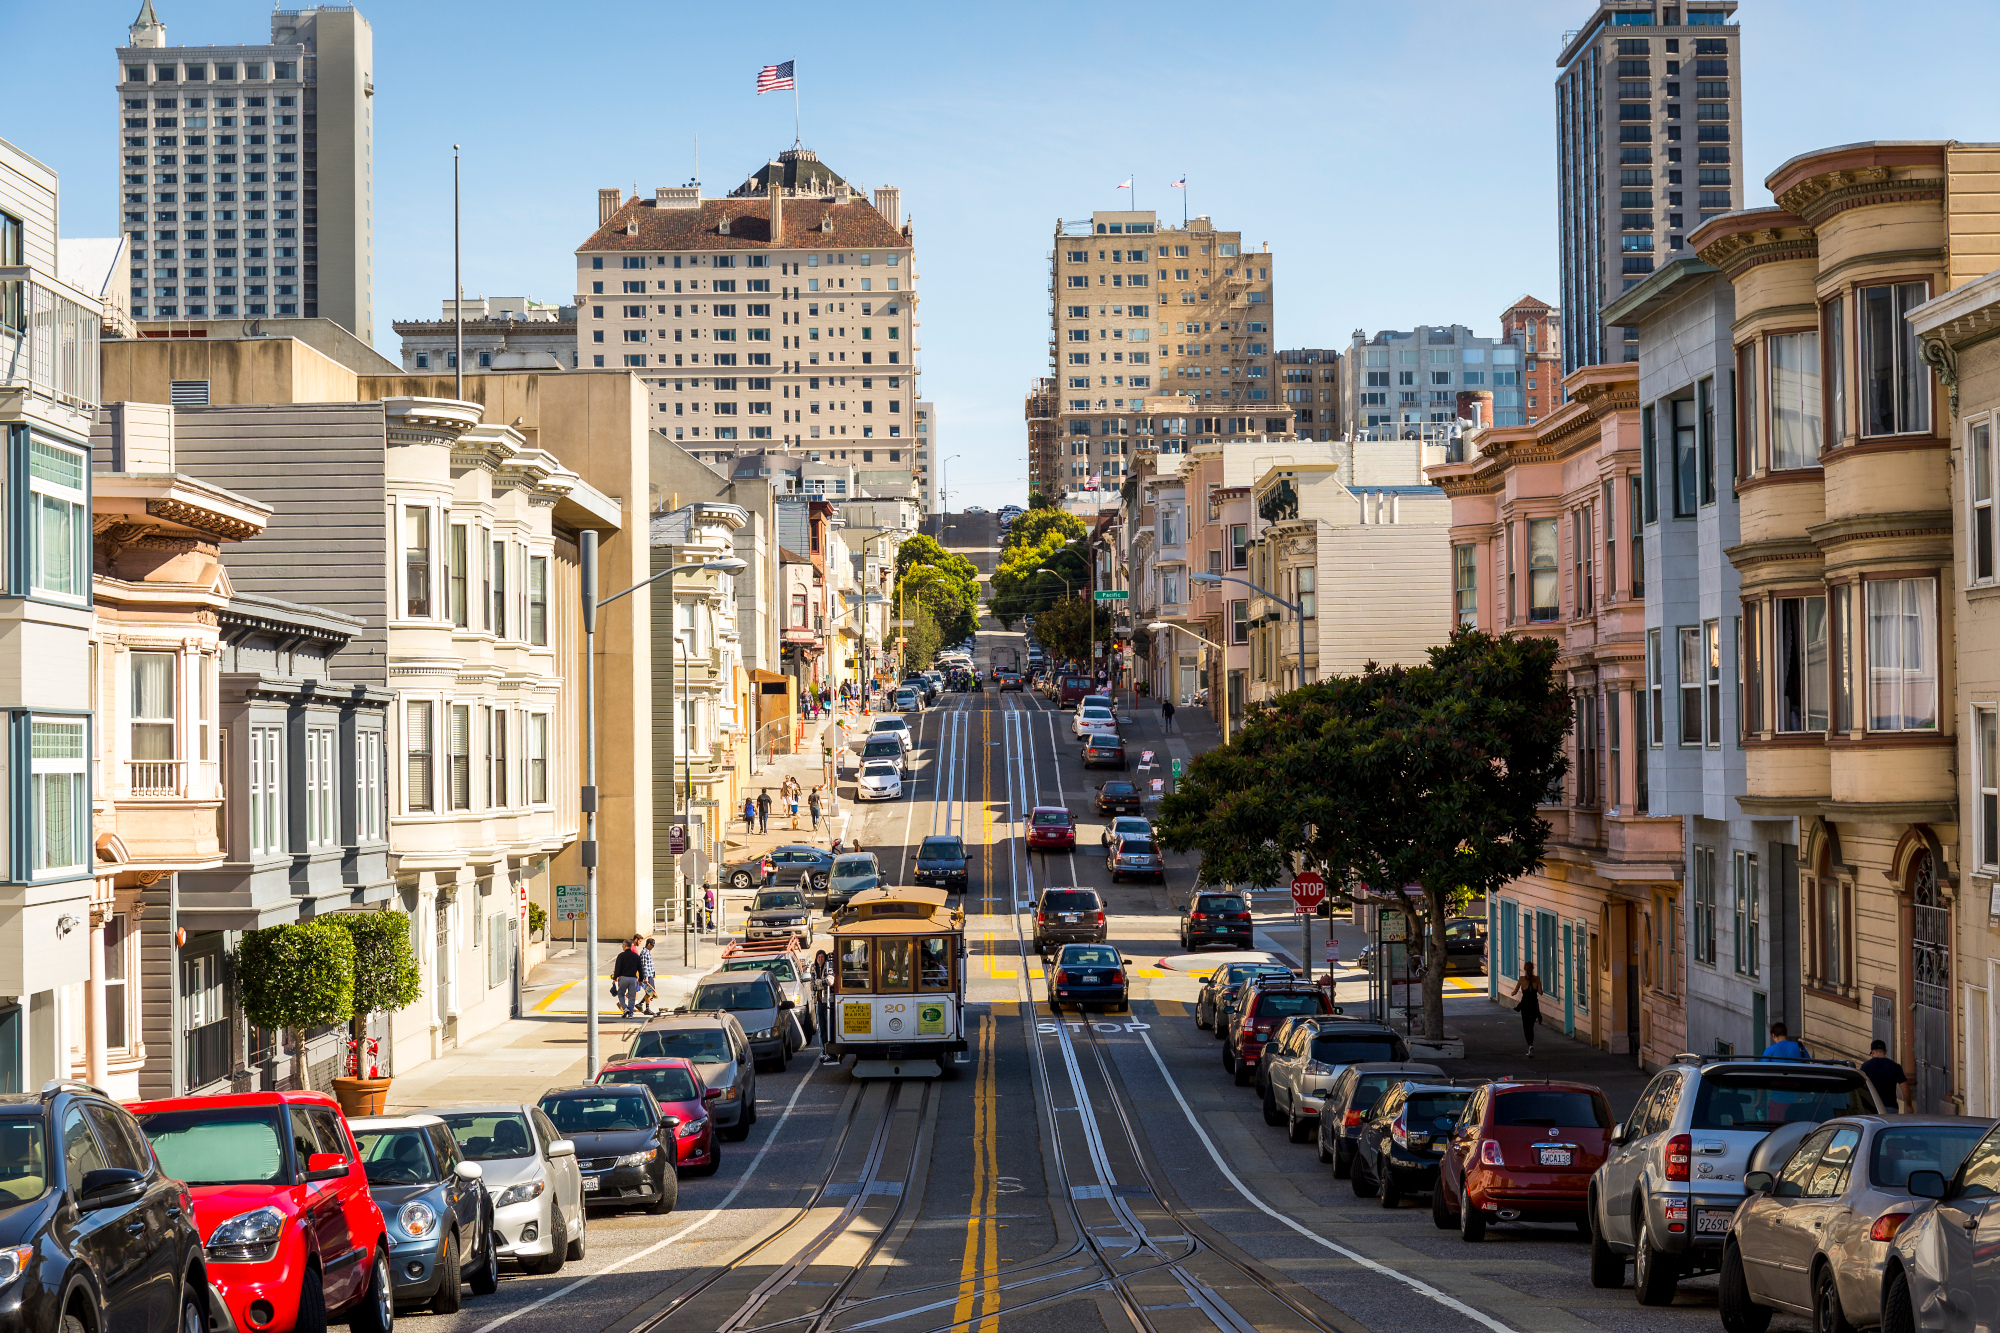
(1602, 919)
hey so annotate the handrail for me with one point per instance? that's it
(48, 340)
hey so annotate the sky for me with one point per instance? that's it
(1397, 157)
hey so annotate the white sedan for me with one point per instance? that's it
(1126, 826)
(1093, 722)
(878, 782)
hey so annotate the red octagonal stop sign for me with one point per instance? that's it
(1307, 890)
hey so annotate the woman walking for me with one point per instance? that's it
(1530, 1005)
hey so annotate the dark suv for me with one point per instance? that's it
(1215, 917)
(90, 1224)
(1068, 916)
(941, 860)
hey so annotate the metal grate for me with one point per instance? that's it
(187, 393)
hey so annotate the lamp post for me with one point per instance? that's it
(587, 563)
(944, 492)
(1296, 608)
(1156, 626)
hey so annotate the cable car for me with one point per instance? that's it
(899, 983)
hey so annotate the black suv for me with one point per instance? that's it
(941, 861)
(1213, 916)
(1118, 798)
(89, 1224)
(1068, 916)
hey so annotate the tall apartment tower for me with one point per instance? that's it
(1045, 464)
(246, 173)
(1649, 106)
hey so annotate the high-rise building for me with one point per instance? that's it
(246, 173)
(1045, 464)
(1442, 373)
(1648, 104)
(783, 312)
(1311, 378)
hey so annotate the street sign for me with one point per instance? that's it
(1177, 770)
(1307, 890)
(1395, 926)
(677, 839)
(1112, 594)
(570, 902)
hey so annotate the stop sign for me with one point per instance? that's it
(1307, 890)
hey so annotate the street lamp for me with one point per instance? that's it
(944, 491)
(587, 561)
(1296, 608)
(1156, 626)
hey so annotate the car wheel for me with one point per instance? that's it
(1392, 1190)
(1297, 1129)
(447, 1300)
(1364, 1186)
(486, 1278)
(1654, 1275)
(739, 880)
(1441, 1217)
(669, 1185)
(1828, 1316)
(1201, 1019)
(543, 1264)
(312, 1303)
(1271, 1116)
(193, 1320)
(1740, 1314)
(580, 1246)
(377, 1311)
(714, 1160)
(1326, 1155)
(1228, 1060)
(1343, 1160)
(1242, 1072)
(1607, 1266)
(1899, 1315)
(1471, 1220)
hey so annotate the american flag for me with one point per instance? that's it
(775, 78)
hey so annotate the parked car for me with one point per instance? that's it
(1215, 917)
(885, 748)
(852, 872)
(1673, 1176)
(782, 961)
(1350, 1098)
(941, 861)
(1050, 829)
(777, 914)
(1813, 1235)
(100, 1233)
(1093, 722)
(799, 865)
(1231, 997)
(1087, 974)
(624, 1146)
(426, 1189)
(879, 780)
(1401, 1142)
(677, 1087)
(1465, 945)
(769, 1020)
(720, 1051)
(1136, 856)
(891, 725)
(1940, 1274)
(1071, 689)
(1303, 1058)
(1068, 916)
(532, 1178)
(1104, 751)
(1207, 1004)
(1117, 797)
(1522, 1152)
(1125, 826)
(1263, 1006)
(1095, 701)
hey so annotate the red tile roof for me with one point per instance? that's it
(856, 226)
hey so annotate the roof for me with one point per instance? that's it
(410, 1121)
(1651, 296)
(855, 225)
(801, 172)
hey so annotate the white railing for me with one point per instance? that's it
(48, 342)
(155, 777)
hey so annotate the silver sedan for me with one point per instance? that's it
(532, 1174)
(1815, 1236)
(1944, 1267)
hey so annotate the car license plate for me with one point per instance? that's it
(1712, 1221)
(1555, 1156)
(1069, 916)
(591, 1183)
(1092, 980)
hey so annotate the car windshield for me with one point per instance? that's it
(1117, 789)
(1765, 1099)
(693, 1043)
(1353, 1048)
(1051, 818)
(1551, 1108)
(773, 899)
(1069, 900)
(887, 745)
(1219, 902)
(396, 1156)
(891, 724)
(1369, 1089)
(1433, 1111)
(854, 867)
(668, 1084)
(1131, 824)
(1102, 701)
(781, 968)
(1089, 955)
(1283, 1004)
(491, 1136)
(743, 993)
(1237, 973)
(24, 1171)
(580, 1114)
(1940, 1148)
(941, 849)
(235, 1147)
(879, 771)
(1138, 847)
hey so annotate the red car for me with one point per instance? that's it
(1258, 1015)
(281, 1200)
(677, 1087)
(1523, 1152)
(1050, 829)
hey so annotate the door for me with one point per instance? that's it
(346, 1270)
(1766, 1234)
(1930, 986)
(149, 1225)
(1968, 1230)
(461, 1194)
(1806, 1223)
(564, 1172)
(112, 1240)
(1568, 982)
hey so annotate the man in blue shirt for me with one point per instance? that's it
(1783, 1047)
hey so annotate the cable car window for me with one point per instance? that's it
(893, 967)
(854, 965)
(934, 964)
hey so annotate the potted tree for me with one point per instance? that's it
(385, 978)
(298, 976)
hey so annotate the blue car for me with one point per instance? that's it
(440, 1217)
(1087, 974)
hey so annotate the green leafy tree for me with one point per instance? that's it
(1064, 628)
(1036, 500)
(1420, 781)
(298, 975)
(385, 966)
(943, 582)
(1032, 577)
(1035, 527)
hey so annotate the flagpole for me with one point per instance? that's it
(798, 139)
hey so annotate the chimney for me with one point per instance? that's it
(889, 203)
(775, 183)
(607, 204)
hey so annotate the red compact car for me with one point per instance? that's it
(1522, 1152)
(1050, 829)
(294, 1239)
(677, 1087)
(1258, 1014)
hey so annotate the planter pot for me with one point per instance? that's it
(361, 1096)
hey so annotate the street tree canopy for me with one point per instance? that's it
(943, 582)
(1418, 781)
(1063, 627)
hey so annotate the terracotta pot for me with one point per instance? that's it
(361, 1096)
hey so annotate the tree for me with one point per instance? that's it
(1020, 585)
(296, 975)
(385, 971)
(1064, 628)
(1034, 528)
(1419, 781)
(1037, 500)
(943, 581)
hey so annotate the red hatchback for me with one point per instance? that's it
(677, 1087)
(1522, 1152)
(1258, 1014)
(1050, 829)
(281, 1201)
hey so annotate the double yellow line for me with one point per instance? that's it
(979, 1271)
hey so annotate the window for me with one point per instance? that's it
(538, 600)
(538, 758)
(1239, 538)
(498, 584)
(1842, 604)
(455, 575)
(59, 521)
(496, 756)
(1829, 931)
(1686, 456)
(1693, 673)
(1239, 622)
(458, 756)
(1895, 386)
(1608, 509)
(1306, 586)
(153, 725)
(1543, 575)
(322, 807)
(1638, 561)
(1647, 457)
(1466, 581)
(416, 561)
(1586, 559)
(1834, 348)
(417, 745)
(1986, 777)
(1705, 423)
(368, 786)
(1902, 654)
(1795, 400)
(1656, 731)
(1711, 652)
(1748, 915)
(1750, 644)
(1746, 410)
(1799, 663)
(60, 835)
(116, 929)
(1701, 921)
(267, 790)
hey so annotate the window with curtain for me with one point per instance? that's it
(496, 750)
(538, 600)
(322, 801)
(1306, 585)
(368, 786)
(1986, 779)
(1840, 602)
(153, 723)
(1544, 576)
(538, 758)
(267, 790)
(1704, 404)
(498, 565)
(1465, 580)
(1902, 654)
(60, 797)
(1638, 573)
(417, 783)
(58, 501)
(1748, 424)
(1239, 622)
(1895, 383)
(1748, 923)
(1830, 932)
(416, 561)
(1711, 674)
(1693, 673)
(1979, 495)
(1656, 706)
(117, 995)
(1702, 917)
(1833, 346)
(457, 573)
(458, 756)
(1750, 645)
(1795, 400)
(1799, 659)
(1686, 456)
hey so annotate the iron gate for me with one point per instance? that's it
(1930, 976)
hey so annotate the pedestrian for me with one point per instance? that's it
(1782, 1046)
(822, 969)
(749, 815)
(625, 973)
(792, 802)
(648, 979)
(1529, 1005)
(1887, 1076)
(764, 810)
(813, 805)
(1167, 712)
(707, 909)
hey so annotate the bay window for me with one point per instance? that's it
(1693, 672)
(1979, 495)
(1711, 666)
(1799, 663)
(1748, 914)
(417, 747)
(1687, 457)
(1747, 422)
(1895, 383)
(322, 808)
(1986, 780)
(499, 586)
(368, 786)
(59, 796)
(416, 561)
(58, 500)
(267, 790)
(538, 600)
(1656, 729)
(458, 756)
(1638, 561)
(1465, 584)
(153, 724)
(538, 758)
(1833, 318)
(1841, 602)
(1795, 400)
(1544, 599)
(1902, 654)
(456, 573)
(1750, 644)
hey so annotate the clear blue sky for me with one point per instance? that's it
(1397, 157)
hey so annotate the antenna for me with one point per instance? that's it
(697, 166)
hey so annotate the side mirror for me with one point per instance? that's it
(1618, 1132)
(470, 1171)
(712, 1095)
(109, 1186)
(562, 1148)
(670, 1121)
(1921, 1184)
(1758, 1182)
(326, 1166)
(787, 1004)
(1130, 963)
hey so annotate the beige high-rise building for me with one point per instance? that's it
(783, 312)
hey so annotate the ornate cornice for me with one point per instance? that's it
(201, 519)
(1818, 198)
(1739, 252)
